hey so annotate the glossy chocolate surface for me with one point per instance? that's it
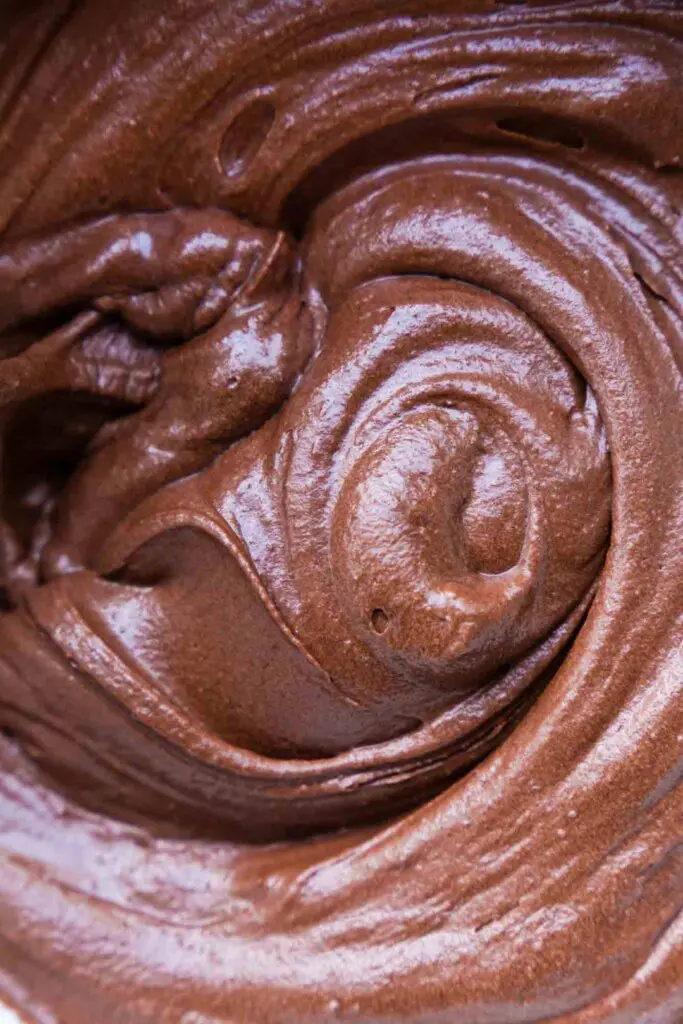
(341, 511)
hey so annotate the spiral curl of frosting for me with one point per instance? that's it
(341, 511)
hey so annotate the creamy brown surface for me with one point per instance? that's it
(341, 511)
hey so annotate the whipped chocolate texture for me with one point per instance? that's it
(341, 511)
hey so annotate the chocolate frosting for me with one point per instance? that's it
(341, 511)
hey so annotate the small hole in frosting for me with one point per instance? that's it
(245, 137)
(380, 620)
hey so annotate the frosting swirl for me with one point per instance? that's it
(341, 511)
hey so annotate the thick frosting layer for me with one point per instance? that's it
(341, 511)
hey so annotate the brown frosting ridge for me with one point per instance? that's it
(341, 509)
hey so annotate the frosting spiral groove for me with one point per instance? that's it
(341, 509)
